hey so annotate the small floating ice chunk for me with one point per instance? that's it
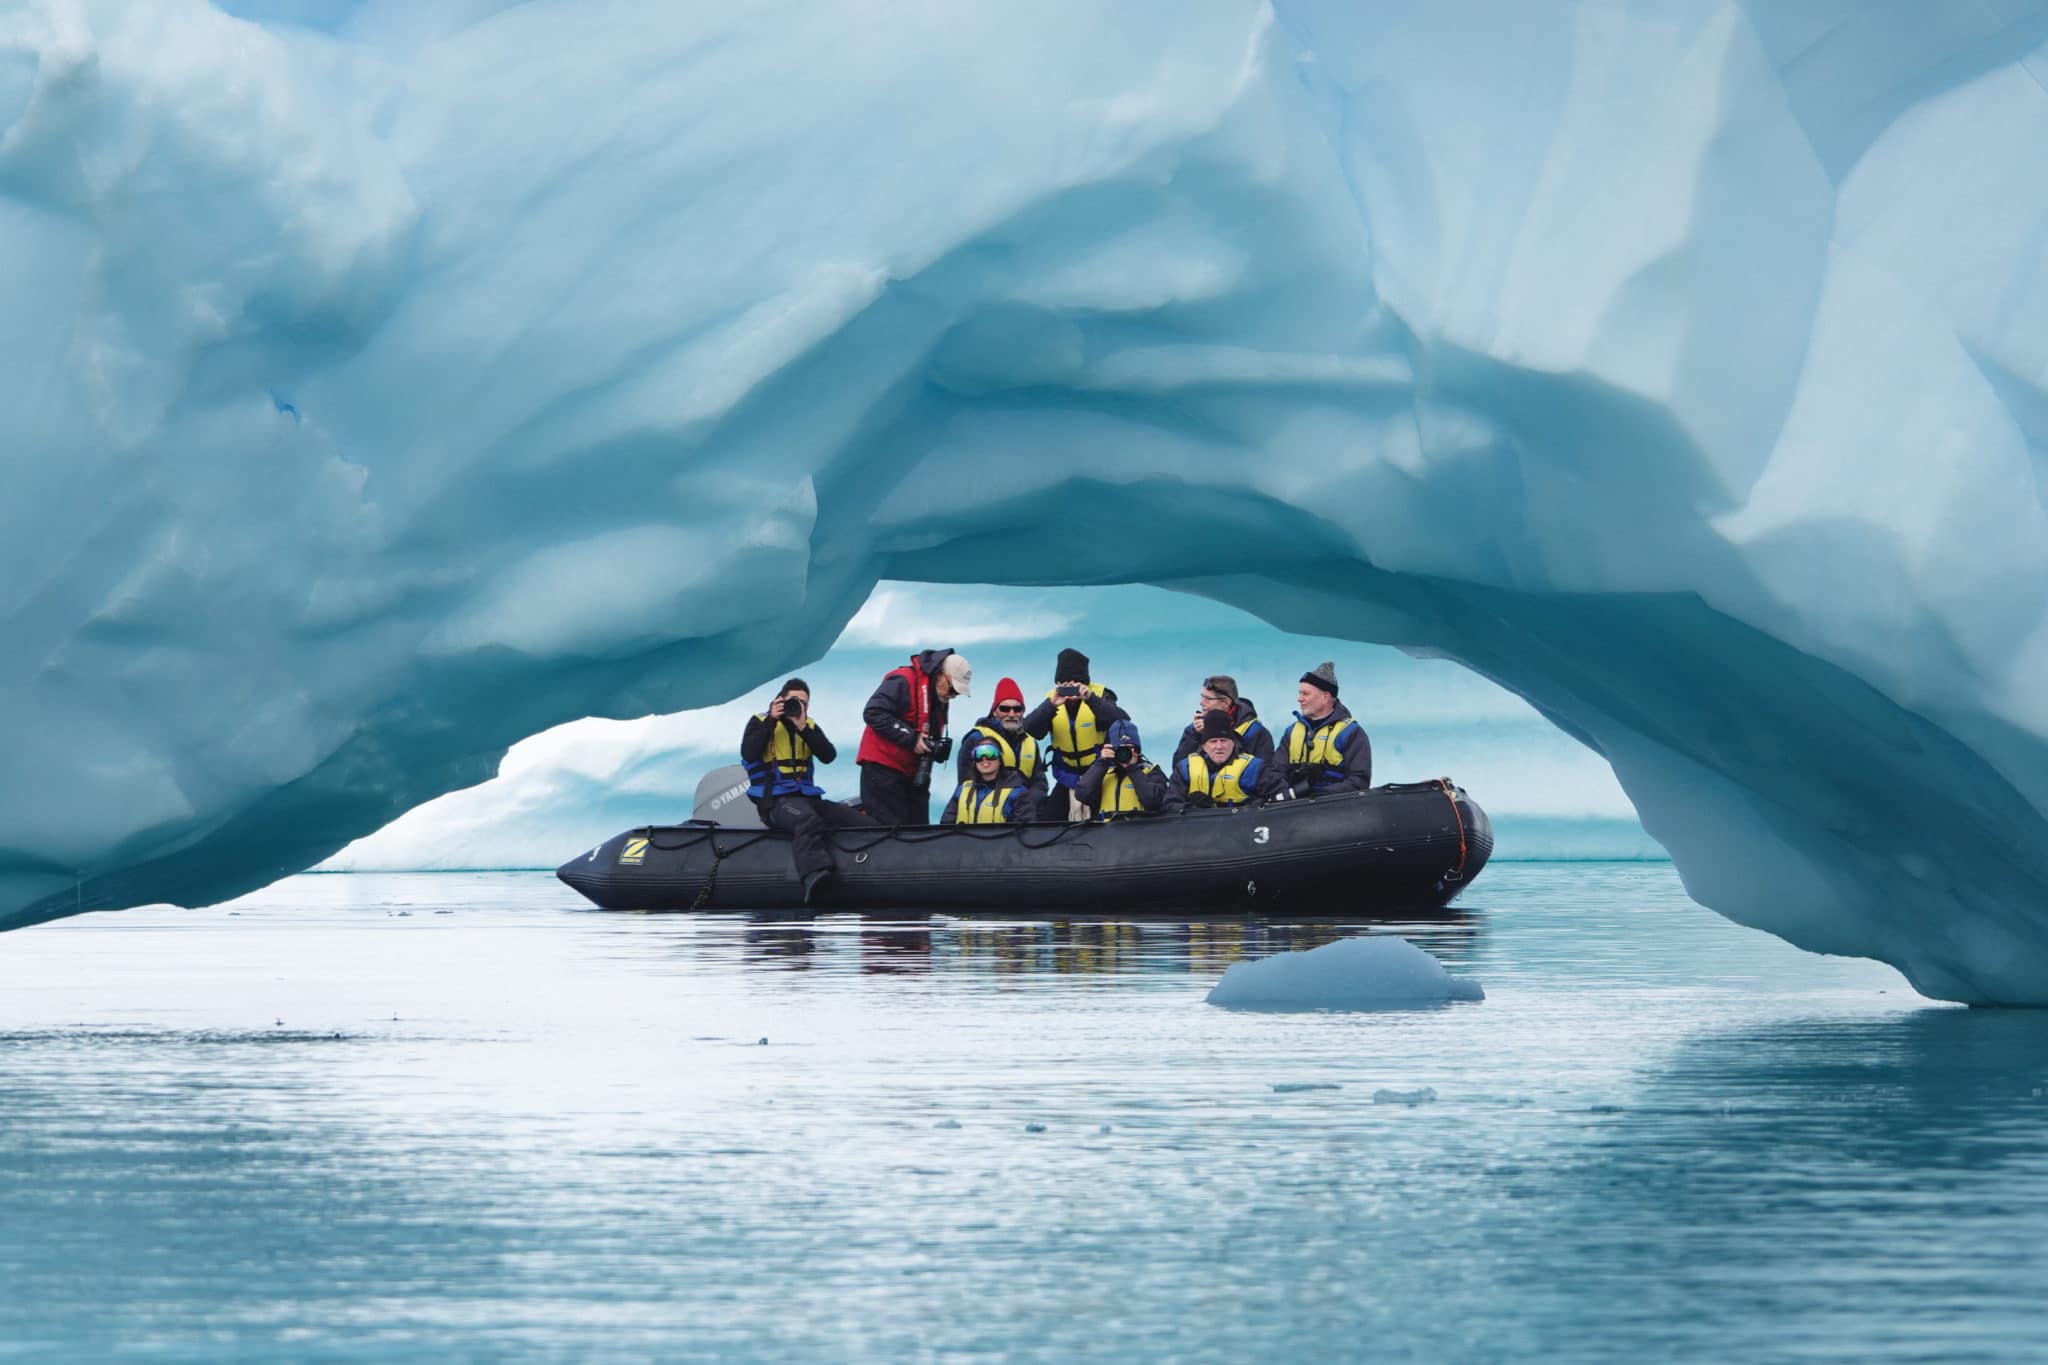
(1351, 974)
(947, 1123)
(1426, 1095)
(1103, 1129)
(1034, 1127)
(1290, 1087)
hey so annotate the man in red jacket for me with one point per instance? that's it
(905, 735)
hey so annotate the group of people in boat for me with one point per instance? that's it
(1092, 766)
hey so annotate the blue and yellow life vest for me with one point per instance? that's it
(1119, 796)
(1076, 737)
(973, 806)
(1320, 747)
(1021, 754)
(1230, 785)
(784, 768)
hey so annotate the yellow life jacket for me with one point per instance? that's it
(1225, 785)
(1119, 796)
(1021, 754)
(976, 807)
(1076, 738)
(785, 766)
(1320, 748)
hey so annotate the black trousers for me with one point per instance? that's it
(806, 819)
(894, 798)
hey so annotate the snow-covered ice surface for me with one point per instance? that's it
(302, 1126)
(386, 382)
(1352, 974)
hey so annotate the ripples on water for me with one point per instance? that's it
(464, 1114)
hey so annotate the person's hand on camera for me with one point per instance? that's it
(924, 744)
(1109, 752)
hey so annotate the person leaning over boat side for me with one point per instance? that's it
(1327, 750)
(1121, 781)
(1222, 772)
(778, 749)
(905, 735)
(1075, 716)
(1005, 725)
(1219, 693)
(994, 795)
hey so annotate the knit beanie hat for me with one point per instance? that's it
(960, 671)
(1007, 690)
(1216, 725)
(1072, 667)
(1123, 732)
(1323, 675)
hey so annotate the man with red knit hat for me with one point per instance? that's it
(1004, 725)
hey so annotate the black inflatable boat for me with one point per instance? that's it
(1395, 847)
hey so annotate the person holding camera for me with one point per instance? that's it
(1005, 727)
(779, 749)
(1327, 750)
(1076, 716)
(1121, 781)
(906, 735)
(1219, 693)
(1222, 772)
(994, 795)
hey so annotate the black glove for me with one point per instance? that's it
(1201, 800)
(944, 750)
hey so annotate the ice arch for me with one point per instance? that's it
(388, 381)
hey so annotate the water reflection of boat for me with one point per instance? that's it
(1073, 945)
(1394, 847)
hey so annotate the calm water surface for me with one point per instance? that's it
(465, 1115)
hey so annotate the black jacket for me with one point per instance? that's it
(1262, 738)
(1268, 781)
(888, 710)
(1023, 812)
(1038, 723)
(1145, 778)
(1353, 772)
(754, 742)
(963, 751)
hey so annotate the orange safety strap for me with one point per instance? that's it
(1459, 816)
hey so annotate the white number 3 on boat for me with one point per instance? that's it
(1261, 834)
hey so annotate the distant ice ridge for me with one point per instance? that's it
(1350, 974)
(387, 382)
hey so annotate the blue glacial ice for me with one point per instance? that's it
(389, 382)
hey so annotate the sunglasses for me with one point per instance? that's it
(1009, 709)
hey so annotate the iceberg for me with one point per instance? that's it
(1378, 973)
(387, 382)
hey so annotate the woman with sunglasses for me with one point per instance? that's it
(1004, 727)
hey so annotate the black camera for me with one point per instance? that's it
(1124, 755)
(793, 707)
(1072, 691)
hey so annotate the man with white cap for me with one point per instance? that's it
(906, 735)
(1327, 751)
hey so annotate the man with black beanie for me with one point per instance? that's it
(1326, 750)
(1076, 716)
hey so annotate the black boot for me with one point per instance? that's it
(816, 885)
